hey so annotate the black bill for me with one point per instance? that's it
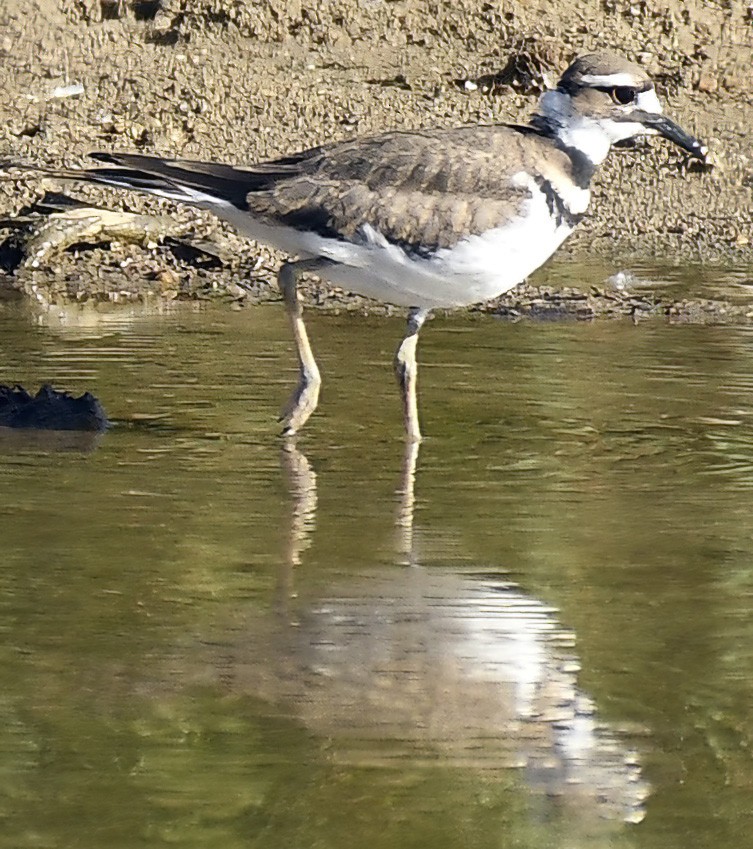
(667, 128)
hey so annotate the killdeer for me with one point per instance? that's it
(430, 219)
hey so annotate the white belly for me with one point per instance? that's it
(476, 269)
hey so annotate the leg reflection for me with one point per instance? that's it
(301, 480)
(407, 492)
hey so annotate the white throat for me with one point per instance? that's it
(587, 136)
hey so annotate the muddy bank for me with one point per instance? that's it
(238, 81)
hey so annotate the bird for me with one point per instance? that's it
(424, 219)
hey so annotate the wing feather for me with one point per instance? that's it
(421, 190)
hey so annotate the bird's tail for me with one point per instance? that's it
(199, 183)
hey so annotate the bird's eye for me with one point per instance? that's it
(622, 95)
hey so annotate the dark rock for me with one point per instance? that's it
(50, 409)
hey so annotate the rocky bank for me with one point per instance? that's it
(240, 81)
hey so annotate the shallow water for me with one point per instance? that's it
(539, 636)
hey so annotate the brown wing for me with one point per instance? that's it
(420, 190)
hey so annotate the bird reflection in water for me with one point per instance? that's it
(426, 663)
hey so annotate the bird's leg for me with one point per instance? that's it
(406, 372)
(305, 396)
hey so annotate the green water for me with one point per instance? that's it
(211, 642)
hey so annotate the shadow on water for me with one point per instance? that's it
(15, 441)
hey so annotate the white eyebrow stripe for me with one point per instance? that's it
(619, 79)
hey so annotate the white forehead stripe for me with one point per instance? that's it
(609, 79)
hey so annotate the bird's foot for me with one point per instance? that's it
(300, 405)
